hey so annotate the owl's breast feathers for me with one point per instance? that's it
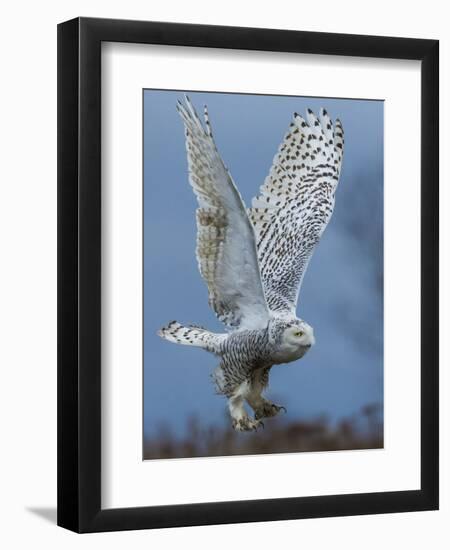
(254, 349)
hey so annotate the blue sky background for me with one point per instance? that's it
(342, 293)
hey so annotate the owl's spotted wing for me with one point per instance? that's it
(295, 205)
(226, 247)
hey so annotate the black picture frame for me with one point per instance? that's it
(79, 274)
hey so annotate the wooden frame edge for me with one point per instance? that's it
(79, 276)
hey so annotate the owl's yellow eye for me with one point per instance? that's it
(298, 333)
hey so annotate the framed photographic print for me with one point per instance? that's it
(248, 274)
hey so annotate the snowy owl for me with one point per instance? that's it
(254, 260)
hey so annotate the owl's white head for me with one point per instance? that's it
(299, 334)
(291, 338)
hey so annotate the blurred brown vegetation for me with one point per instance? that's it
(363, 430)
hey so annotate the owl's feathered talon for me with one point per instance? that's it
(246, 424)
(268, 409)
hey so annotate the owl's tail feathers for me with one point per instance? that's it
(190, 336)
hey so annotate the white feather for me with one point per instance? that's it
(295, 205)
(226, 246)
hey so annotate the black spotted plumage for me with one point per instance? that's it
(296, 223)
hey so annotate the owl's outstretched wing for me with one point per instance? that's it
(226, 247)
(295, 205)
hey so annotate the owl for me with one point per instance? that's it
(253, 260)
